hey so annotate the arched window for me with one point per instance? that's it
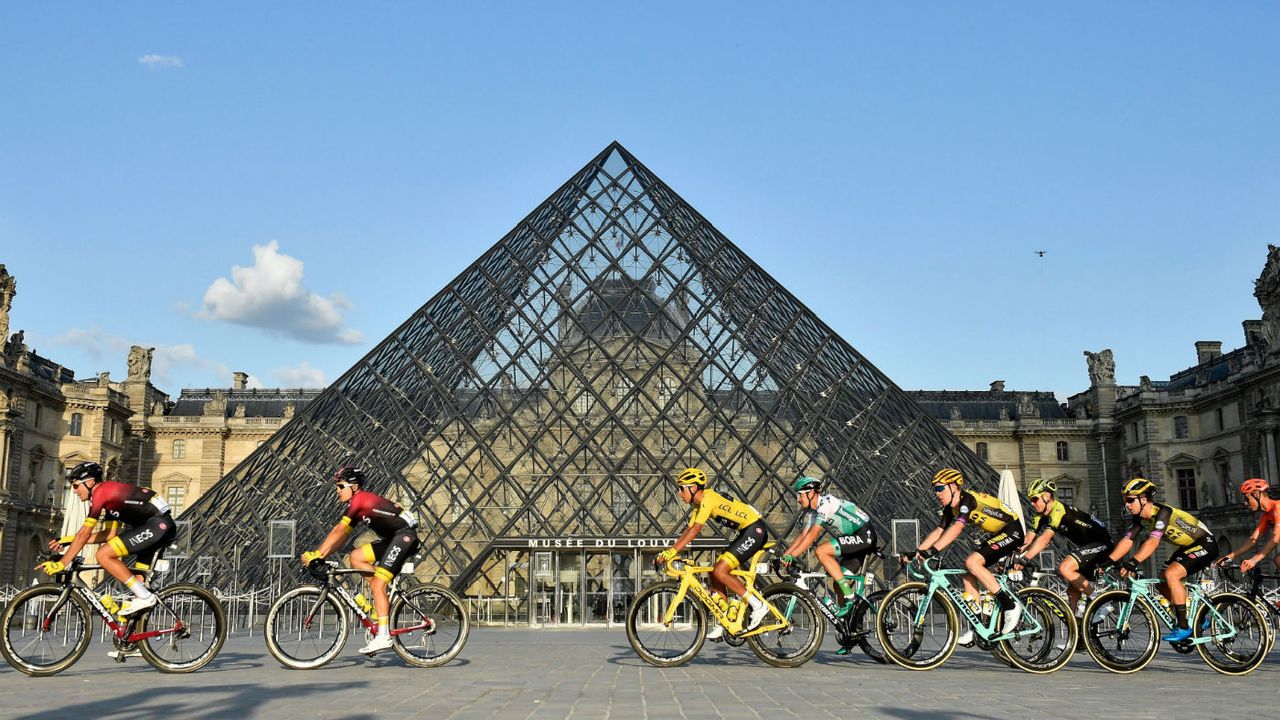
(77, 424)
(983, 453)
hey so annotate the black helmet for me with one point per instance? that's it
(349, 474)
(84, 471)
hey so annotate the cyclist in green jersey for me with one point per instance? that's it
(852, 536)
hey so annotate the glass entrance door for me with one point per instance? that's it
(595, 586)
(568, 600)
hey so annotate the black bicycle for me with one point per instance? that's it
(47, 627)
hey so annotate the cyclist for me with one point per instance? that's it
(852, 537)
(1088, 534)
(752, 535)
(1254, 491)
(1004, 536)
(135, 521)
(1195, 543)
(397, 542)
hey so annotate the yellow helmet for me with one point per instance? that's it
(1040, 486)
(1138, 486)
(692, 476)
(947, 476)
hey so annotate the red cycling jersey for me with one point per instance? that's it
(380, 514)
(122, 502)
(1270, 519)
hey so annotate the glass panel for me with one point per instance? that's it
(595, 582)
(568, 609)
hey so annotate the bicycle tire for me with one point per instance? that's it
(287, 623)
(645, 633)
(21, 644)
(782, 648)
(448, 620)
(1098, 631)
(863, 623)
(201, 609)
(1249, 622)
(1058, 633)
(898, 611)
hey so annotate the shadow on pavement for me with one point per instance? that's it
(194, 701)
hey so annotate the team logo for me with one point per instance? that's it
(407, 539)
(164, 526)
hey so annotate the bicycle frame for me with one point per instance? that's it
(940, 582)
(70, 581)
(688, 574)
(1143, 589)
(328, 586)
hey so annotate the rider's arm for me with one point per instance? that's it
(1123, 545)
(1041, 542)
(334, 539)
(949, 536)
(1031, 538)
(687, 536)
(1248, 544)
(78, 541)
(804, 542)
(1271, 544)
(931, 538)
(1147, 548)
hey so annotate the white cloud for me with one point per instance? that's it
(160, 62)
(167, 361)
(94, 341)
(269, 295)
(301, 376)
(170, 358)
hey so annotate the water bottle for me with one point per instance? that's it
(1080, 605)
(988, 605)
(110, 604)
(364, 604)
(869, 584)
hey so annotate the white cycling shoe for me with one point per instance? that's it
(715, 632)
(135, 606)
(377, 644)
(758, 614)
(966, 638)
(1009, 619)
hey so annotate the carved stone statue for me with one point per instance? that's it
(289, 409)
(1102, 367)
(217, 406)
(1026, 408)
(1004, 413)
(1267, 290)
(104, 379)
(140, 363)
(8, 288)
(239, 411)
(955, 413)
(15, 348)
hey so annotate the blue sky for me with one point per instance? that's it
(896, 168)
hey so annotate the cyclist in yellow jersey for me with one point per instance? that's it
(988, 514)
(752, 534)
(1196, 547)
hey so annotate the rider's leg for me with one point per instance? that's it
(109, 558)
(722, 574)
(1077, 583)
(1174, 574)
(827, 556)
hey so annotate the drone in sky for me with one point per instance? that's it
(1041, 252)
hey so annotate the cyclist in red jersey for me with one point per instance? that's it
(135, 522)
(1254, 491)
(397, 542)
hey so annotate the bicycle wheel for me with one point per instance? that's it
(659, 643)
(797, 643)
(1120, 649)
(917, 631)
(1244, 650)
(43, 636)
(1053, 644)
(429, 626)
(301, 635)
(863, 624)
(202, 623)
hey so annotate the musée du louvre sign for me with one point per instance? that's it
(601, 543)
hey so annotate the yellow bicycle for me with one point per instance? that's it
(667, 621)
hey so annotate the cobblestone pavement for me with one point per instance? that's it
(518, 674)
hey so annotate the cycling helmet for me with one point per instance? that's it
(805, 484)
(947, 476)
(1253, 485)
(1040, 485)
(349, 474)
(84, 471)
(692, 476)
(1138, 486)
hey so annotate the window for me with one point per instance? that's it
(1187, 489)
(1133, 433)
(1064, 452)
(1218, 415)
(582, 404)
(983, 453)
(77, 424)
(176, 496)
(1224, 479)
(1181, 430)
(1067, 494)
(179, 449)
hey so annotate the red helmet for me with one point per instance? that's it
(1253, 485)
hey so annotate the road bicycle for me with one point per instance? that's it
(857, 627)
(1266, 598)
(918, 624)
(47, 627)
(1122, 627)
(308, 626)
(667, 621)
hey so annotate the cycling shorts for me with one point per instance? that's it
(1001, 545)
(749, 541)
(1195, 557)
(147, 539)
(853, 550)
(390, 554)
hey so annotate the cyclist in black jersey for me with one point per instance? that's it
(1196, 547)
(1087, 533)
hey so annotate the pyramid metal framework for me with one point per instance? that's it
(550, 390)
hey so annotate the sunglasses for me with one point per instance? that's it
(939, 488)
(1128, 500)
(344, 486)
